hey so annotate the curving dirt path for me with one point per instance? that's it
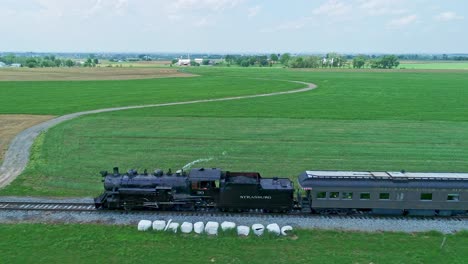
(17, 155)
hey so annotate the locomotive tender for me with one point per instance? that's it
(322, 192)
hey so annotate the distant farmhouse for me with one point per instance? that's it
(13, 65)
(184, 62)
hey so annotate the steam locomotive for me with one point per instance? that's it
(200, 188)
(322, 192)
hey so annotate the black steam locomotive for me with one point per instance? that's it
(200, 188)
(322, 192)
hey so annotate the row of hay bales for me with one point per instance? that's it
(212, 227)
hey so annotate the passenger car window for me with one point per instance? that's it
(453, 197)
(364, 196)
(334, 195)
(400, 196)
(321, 195)
(384, 196)
(426, 196)
(347, 195)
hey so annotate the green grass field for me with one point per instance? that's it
(62, 97)
(363, 120)
(440, 65)
(354, 120)
(117, 244)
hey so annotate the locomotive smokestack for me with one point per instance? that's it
(116, 170)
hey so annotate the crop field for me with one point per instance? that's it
(139, 64)
(40, 243)
(354, 120)
(440, 65)
(101, 73)
(62, 97)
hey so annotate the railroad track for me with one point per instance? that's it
(89, 207)
(209, 214)
(47, 206)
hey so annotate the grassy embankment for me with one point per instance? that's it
(355, 120)
(116, 244)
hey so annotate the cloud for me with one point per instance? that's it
(332, 8)
(382, 7)
(448, 16)
(288, 26)
(402, 21)
(213, 5)
(253, 11)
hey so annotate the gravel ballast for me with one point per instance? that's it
(363, 223)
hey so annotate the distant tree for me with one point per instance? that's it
(359, 61)
(245, 63)
(8, 59)
(284, 59)
(205, 62)
(46, 63)
(274, 57)
(69, 63)
(305, 62)
(88, 63)
(230, 59)
(95, 61)
(31, 63)
(444, 57)
(252, 60)
(311, 62)
(385, 62)
(262, 60)
(194, 63)
(297, 62)
(58, 62)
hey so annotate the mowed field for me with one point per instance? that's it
(353, 121)
(38, 243)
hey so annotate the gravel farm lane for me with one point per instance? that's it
(17, 155)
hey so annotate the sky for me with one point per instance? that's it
(229, 26)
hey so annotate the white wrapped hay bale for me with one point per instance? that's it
(159, 225)
(274, 229)
(186, 227)
(286, 229)
(243, 230)
(173, 227)
(258, 229)
(198, 227)
(167, 224)
(211, 228)
(228, 225)
(144, 225)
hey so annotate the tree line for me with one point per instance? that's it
(329, 60)
(46, 61)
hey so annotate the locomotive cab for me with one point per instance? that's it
(204, 182)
